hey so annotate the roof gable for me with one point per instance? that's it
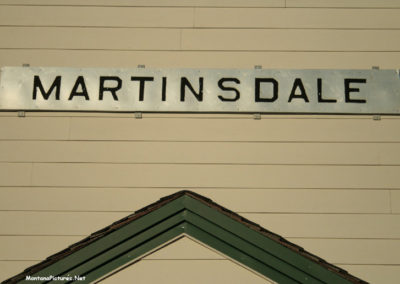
(188, 258)
(187, 213)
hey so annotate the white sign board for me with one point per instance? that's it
(200, 90)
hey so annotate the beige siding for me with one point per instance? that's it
(11, 268)
(109, 199)
(201, 59)
(15, 174)
(72, 16)
(357, 226)
(289, 225)
(395, 197)
(279, 129)
(214, 3)
(297, 18)
(375, 273)
(156, 3)
(14, 128)
(343, 3)
(88, 38)
(34, 249)
(185, 17)
(355, 251)
(191, 176)
(342, 251)
(277, 153)
(199, 39)
(328, 183)
(199, 271)
(206, 267)
(205, 129)
(288, 40)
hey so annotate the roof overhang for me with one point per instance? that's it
(187, 214)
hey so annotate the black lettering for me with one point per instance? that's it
(275, 86)
(185, 83)
(142, 81)
(298, 84)
(164, 89)
(319, 90)
(112, 90)
(80, 82)
(348, 90)
(224, 88)
(38, 84)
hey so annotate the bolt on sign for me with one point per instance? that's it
(200, 90)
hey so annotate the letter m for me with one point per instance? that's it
(37, 84)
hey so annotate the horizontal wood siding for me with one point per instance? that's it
(204, 129)
(358, 4)
(202, 59)
(199, 39)
(254, 201)
(183, 176)
(198, 17)
(152, 3)
(289, 225)
(171, 152)
(212, 3)
(92, 16)
(328, 183)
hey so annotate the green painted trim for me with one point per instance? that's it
(270, 266)
(94, 249)
(135, 253)
(237, 255)
(129, 249)
(188, 215)
(268, 245)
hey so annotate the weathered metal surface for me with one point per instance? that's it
(200, 90)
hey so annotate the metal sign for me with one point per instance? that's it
(200, 90)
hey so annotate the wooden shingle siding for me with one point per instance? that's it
(328, 183)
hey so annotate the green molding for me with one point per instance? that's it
(127, 241)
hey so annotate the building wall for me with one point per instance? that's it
(328, 183)
(205, 266)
